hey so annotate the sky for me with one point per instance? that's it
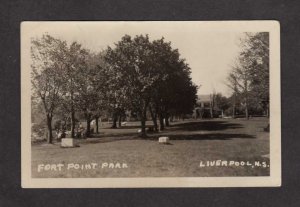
(209, 48)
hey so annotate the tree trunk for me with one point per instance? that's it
(115, 119)
(97, 124)
(49, 126)
(167, 120)
(246, 100)
(154, 118)
(143, 125)
(88, 125)
(72, 112)
(161, 122)
(234, 103)
(233, 111)
(246, 111)
(65, 125)
(143, 122)
(246, 107)
(120, 120)
(211, 111)
(72, 123)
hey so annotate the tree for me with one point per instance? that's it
(90, 89)
(242, 75)
(249, 77)
(174, 93)
(182, 96)
(162, 60)
(47, 81)
(74, 59)
(101, 85)
(233, 85)
(256, 51)
(221, 102)
(114, 90)
(86, 97)
(133, 63)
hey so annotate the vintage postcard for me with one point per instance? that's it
(124, 104)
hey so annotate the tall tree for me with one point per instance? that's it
(256, 52)
(242, 74)
(134, 74)
(90, 89)
(75, 61)
(232, 83)
(174, 93)
(249, 77)
(47, 66)
(101, 86)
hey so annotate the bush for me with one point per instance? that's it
(38, 131)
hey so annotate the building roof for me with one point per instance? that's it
(203, 98)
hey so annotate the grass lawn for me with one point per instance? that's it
(192, 141)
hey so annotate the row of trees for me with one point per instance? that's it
(136, 75)
(249, 77)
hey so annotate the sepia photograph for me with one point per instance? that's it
(150, 104)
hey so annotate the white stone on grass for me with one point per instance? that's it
(163, 140)
(68, 142)
(266, 156)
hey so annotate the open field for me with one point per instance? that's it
(192, 141)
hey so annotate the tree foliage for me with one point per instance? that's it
(47, 75)
(249, 78)
(150, 75)
(136, 75)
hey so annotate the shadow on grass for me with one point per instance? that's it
(210, 125)
(104, 135)
(184, 132)
(130, 127)
(206, 125)
(154, 137)
(111, 138)
(213, 136)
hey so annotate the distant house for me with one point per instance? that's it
(205, 107)
(204, 101)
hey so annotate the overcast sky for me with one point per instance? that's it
(209, 49)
